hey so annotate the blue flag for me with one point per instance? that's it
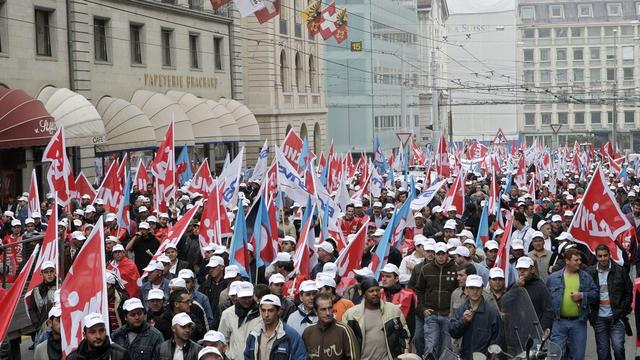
(238, 252)
(483, 228)
(304, 155)
(183, 166)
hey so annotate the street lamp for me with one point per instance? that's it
(614, 117)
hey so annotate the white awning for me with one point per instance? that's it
(128, 128)
(246, 121)
(160, 109)
(82, 123)
(211, 121)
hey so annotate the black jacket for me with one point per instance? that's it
(165, 350)
(197, 316)
(106, 352)
(142, 347)
(620, 291)
(212, 289)
(434, 287)
(541, 300)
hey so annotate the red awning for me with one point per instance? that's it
(23, 120)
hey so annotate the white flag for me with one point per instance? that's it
(231, 178)
(248, 7)
(261, 165)
(289, 181)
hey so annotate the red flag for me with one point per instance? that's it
(292, 148)
(305, 257)
(418, 156)
(502, 259)
(202, 181)
(311, 15)
(342, 26)
(84, 187)
(270, 10)
(494, 202)
(163, 168)
(9, 302)
(111, 189)
(60, 175)
(49, 251)
(598, 219)
(34, 196)
(328, 18)
(351, 256)
(455, 196)
(84, 290)
(122, 168)
(217, 4)
(214, 222)
(141, 178)
(442, 159)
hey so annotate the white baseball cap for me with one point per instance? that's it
(143, 209)
(99, 201)
(308, 286)
(364, 272)
(152, 219)
(270, 299)
(215, 261)
(450, 224)
(496, 272)
(144, 225)
(378, 232)
(208, 350)
(186, 274)
(233, 288)
(524, 262)
(155, 294)
(462, 251)
(117, 247)
(214, 337)
(231, 271)
(78, 212)
(326, 246)
(178, 283)
(276, 278)
(55, 311)
(555, 218)
(8, 213)
(491, 245)
(568, 213)
(474, 281)
(282, 257)
(36, 214)
(470, 242)
(537, 234)
(390, 268)
(498, 232)
(330, 268)
(16, 222)
(564, 236)
(220, 250)
(109, 217)
(154, 265)
(245, 289)
(517, 244)
(132, 304)
(322, 281)
(466, 233)
(289, 238)
(77, 222)
(28, 221)
(90, 209)
(47, 265)
(93, 319)
(181, 319)
(440, 247)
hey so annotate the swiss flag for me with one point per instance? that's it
(84, 290)
(328, 18)
(163, 168)
(83, 186)
(598, 219)
(351, 256)
(60, 175)
(271, 9)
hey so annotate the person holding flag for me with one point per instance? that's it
(42, 299)
(95, 343)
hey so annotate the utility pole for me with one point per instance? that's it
(403, 100)
(614, 117)
(450, 118)
(435, 101)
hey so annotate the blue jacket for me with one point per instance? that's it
(484, 329)
(147, 286)
(590, 295)
(287, 346)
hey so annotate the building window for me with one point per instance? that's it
(628, 73)
(611, 74)
(217, 52)
(563, 118)
(578, 75)
(578, 118)
(610, 30)
(43, 32)
(194, 50)
(167, 47)
(283, 71)
(529, 119)
(544, 33)
(627, 53)
(545, 118)
(594, 75)
(528, 55)
(561, 75)
(614, 9)
(312, 74)
(556, 11)
(611, 53)
(3, 27)
(578, 54)
(545, 54)
(561, 54)
(100, 39)
(595, 117)
(594, 31)
(196, 4)
(629, 117)
(528, 33)
(561, 32)
(135, 40)
(528, 76)
(585, 10)
(299, 73)
(594, 53)
(527, 12)
(577, 32)
(545, 76)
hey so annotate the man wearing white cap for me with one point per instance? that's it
(417, 256)
(522, 229)
(155, 305)
(376, 214)
(325, 255)
(13, 254)
(180, 345)
(175, 264)
(95, 344)
(199, 298)
(304, 315)
(497, 285)
(395, 293)
(181, 302)
(272, 338)
(155, 280)
(327, 284)
(477, 321)
(239, 319)
(538, 291)
(213, 286)
(126, 269)
(214, 339)
(42, 299)
(276, 285)
(143, 243)
(211, 353)
(136, 335)
(540, 255)
(51, 348)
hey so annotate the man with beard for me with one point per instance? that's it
(143, 244)
(239, 319)
(180, 345)
(51, 348)
(95, 344)
(496, 283)
(394, 293)
(155, 306)
(136, 335)
(181, 302)
(42, 300)
(372, 315)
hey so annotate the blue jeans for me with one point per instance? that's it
(609, 335)
(418, 336)
(436, 335)
(571, 336)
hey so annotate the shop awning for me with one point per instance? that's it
(160, 110)
(211, 121)
(81, 121)
(24, 121)
(128, 128)
(246, 121)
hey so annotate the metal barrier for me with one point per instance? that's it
(36, 238)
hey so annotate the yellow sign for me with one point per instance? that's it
(180, 81)
(356, 46)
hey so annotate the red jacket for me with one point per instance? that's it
(128, 272)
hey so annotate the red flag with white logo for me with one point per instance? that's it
(442, 159)
(455, 196)
(502, 259)
(202, 181)
(598, 219)
(292, 148)
(271, 9)
(84, 187)
(305, 257)
(60, 176)
(328, 18)
(49, 251)
(84, 290)
(214, 222)
(34, 196)
(163, 168)
(141, 178)
(111, 189)
(351, 256)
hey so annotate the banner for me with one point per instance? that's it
(84, 187)
(34, 196)
(60, 176)
(202, 181)
(163, 168)
(141, 179)
(260, 169)
(111, 191)
(426, 196)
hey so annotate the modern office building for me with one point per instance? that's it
(578, 63)
(372, 79)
